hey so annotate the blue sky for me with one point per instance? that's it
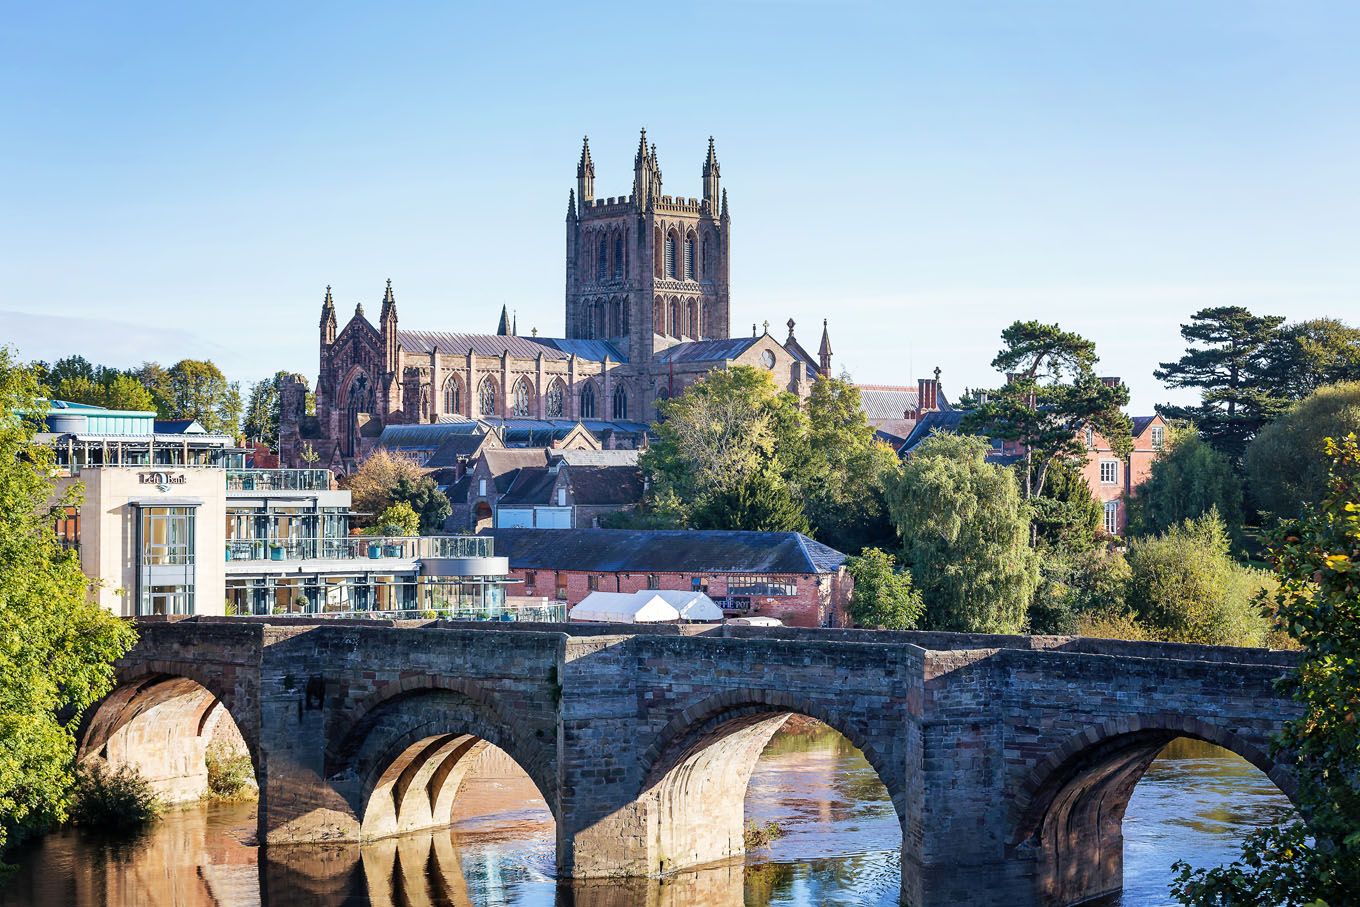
(185, 179)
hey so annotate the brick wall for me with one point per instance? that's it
(820, 598)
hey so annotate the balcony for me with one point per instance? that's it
(347, 548)
(361, 547)
(278, 479)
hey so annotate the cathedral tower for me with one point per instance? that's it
(647, 270)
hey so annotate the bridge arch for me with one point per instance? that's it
(399, 762)
(160, 717)
(1069, 811)
(697, 770)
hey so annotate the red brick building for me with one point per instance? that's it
(784, 575)
(1114, 479)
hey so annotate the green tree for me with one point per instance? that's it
(156, 379)
(1316, 860)
(1066, 515)
(1310, 354)
(1188, 479)
(844, 474)
(882, 596)
(1228, 362)
(1077, 588)
(423, 496)
(1186, 587)
(1052, 395)
(372, 484)
(126, 392)
(761, 502)
(198, 390)
(965, 535)
(56, 646)
(1286, 466)
(397, 519)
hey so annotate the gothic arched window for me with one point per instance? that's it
(693, 318)
(523, 397)
(618, 255)
(670, 256)
(620, 403)
(602, 261)
(676, 327)
(553, 399)
(486, 397)
(657, 243)
(658, 316)
(588, 400)
(708, 255)
(691, 262)
(453, 396)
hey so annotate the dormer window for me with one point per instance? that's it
(1158, 437)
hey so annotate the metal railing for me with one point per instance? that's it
(523, 613)
(346, 548)
(278, 479)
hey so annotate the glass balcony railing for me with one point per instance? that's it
(278, 479)
(348, 548)
(456, 546)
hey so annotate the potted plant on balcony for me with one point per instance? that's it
(397, 521)
(275, 551)
(302, 604)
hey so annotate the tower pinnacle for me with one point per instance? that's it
(824, 353)
(585, 173)
(503, 329)
(711, 174)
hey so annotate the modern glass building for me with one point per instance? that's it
(173, 522)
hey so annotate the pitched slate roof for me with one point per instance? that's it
(885, 402)
(664, 551)
(427, 435)
(507, 459)
(1140, 424)
(928, 424)
(596, 457)
(454, 448)
(529, 487)
(706, 350)
(455, 344)
(605, 486)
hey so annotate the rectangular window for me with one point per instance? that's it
(165, 576)
(530, 579)
(652, 582)
(1090, 439)
(762, 585)
(1109, 472)
(593, 583)
(560, 581)
(68, 529)
(1112, 517)
(481, 487)
(1158, 437)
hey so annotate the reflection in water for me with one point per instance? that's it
(1192, 804)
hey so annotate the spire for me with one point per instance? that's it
(358, 310)
(641, 157)
(389, 304)
(724, 205)
(514, 325)
(571, 204)
(824, 353)
(646, 174)
(711, 172)
(503, 329)
(328, 317)
(585, 173)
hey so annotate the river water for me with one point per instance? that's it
(840, 846)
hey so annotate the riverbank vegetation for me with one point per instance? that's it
(119, 802)
(757, 835)
(231, 774)
(1314, 861)
(57, 647)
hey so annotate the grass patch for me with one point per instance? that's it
(119, 801)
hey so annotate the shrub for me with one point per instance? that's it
(882, 596)
(1187, 588)
(230, 772)
(116, 801)
(1188, 479)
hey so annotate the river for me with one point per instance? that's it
(840, 846)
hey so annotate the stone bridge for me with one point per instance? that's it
(1010, 760)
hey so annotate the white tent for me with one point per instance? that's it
(624, 607)
(691, 605)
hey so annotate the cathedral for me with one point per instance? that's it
(648, 312)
